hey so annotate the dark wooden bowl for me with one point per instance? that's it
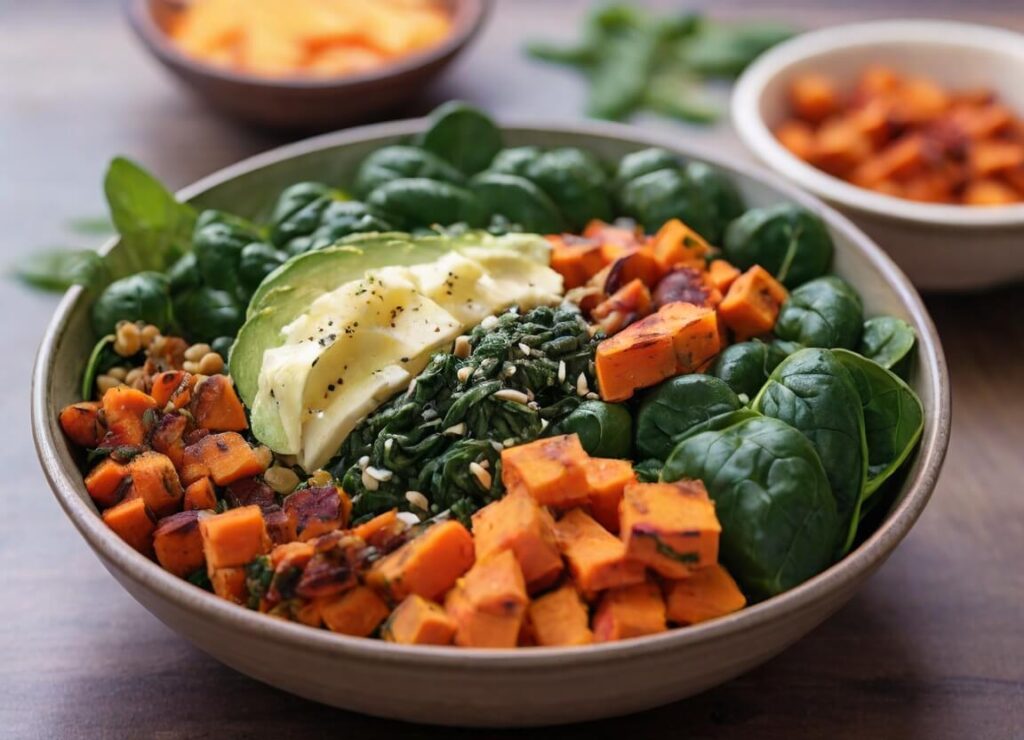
(300, 103)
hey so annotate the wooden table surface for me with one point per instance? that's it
(932, 647)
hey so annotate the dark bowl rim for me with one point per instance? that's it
(159, 44)
(66, 481)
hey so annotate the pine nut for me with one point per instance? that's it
(211, 363)
(417, 500)
(561, 371)
(118, 372)
(281, 479)
(197, 351)
(463, 373)
(482, 476)
(582, 388)
(509, 394)
(369, 482)
(148, 334)
(462, 347)
(127, 339)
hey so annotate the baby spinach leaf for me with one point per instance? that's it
(515, 160)
(518, 200)
(101, 359)
(144, 296)
(726, 50)
(604, 429)
(60, 269)
(394, 162)
(463, 135)
(643, 162)
(576, 182)
(677, 405)
(745, 366)
(417, 202)
(788, 241)
(826, 312)
(771, 494)
(813, 392)
(659, 196)
(889, 342)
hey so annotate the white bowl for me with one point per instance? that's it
(940, 247)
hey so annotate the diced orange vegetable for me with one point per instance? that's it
(631, 611)
(123, 409)
(107, 483)
(309, 614)
(234, 538)
(155, 481)
(80, 421)
(813, 97)
(200, 495)
(982, 122)
(225, 457)
(752, 305)
(678, 244)
(517, 523)
(179, 544)
(606, 480)
(840, 145)
(428, 565)
(597, 559)
(559, 618)
(630, 302)
(172, 387)
(496, 585)
(798, 137)
(896, 160)
(476, 628)
(167, 437)
(722, 274)
(230, 584)
(990, 193)
(670, 527)
(920, 100)
(576, 262)
(638, 264)
(677, 339)
(706, 594)
(292, 554)
(687, 285)
(133, 523)
(216, 407)
(991, 157)
(606, 233)
(418, 621)
(876, 80)
(549, 469)
(316, 510)
(382, 531)
(356, 612)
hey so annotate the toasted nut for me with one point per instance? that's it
(127, 339)
(211, 363)
(118, 372)
(510, 394)
(582, 388)
(561, 371)
(265, 456)
(482, 476)
(462, 347)
(463, 373)
(197, 351)
(320, 478)
(281, 479)
(105, 382)
(417, 500)
(136, 373)
(190, 366)
(148, 334)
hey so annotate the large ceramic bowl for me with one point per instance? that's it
(489, 687)
(941, 247)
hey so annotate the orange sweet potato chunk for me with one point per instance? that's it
(706, 594)
(224, 457)
(179, 544)
(428, 565)
(356, 612)
(155, 481)
(631, 611)
(317, 510)
(678, 244)
(215, 406)
(517, 523)
(606, 480)
(549, 469)
(383, 531)
(629, 303)
(419, 621)
(559, 618)
(229, 584)
(670, 527)
(752, 305)
(107, 483)
(234, 538)
(168, 437)
(476, 628)
(496, 585)
(172, 387)
(133, 523)
(123, 409)
(80, 422)
(632, 264)
(722, 274)
(597, 559)
(200, 495)
(813, 97)
(798, 137)
(576, 262)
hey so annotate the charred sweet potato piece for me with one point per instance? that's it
(168, 437)
(418, 621)
(990, 193)
(215, 406)
(576, 260)
(630, 302)
(476, 628)
(559, 618)
(678, 244)
(517, 523)
(617, 234)
(229, 584)
(80, 422)
(677, 339)
(356, 612)
(631, 611)
(279, 526)
(992, 157)
(798, 137)
(689, 285)
(670, 527)
(894, 161)
(637, 264)
(752, 305)
(133, 523)
(813, 97)
(721, 274)
(385, 532)
(252, 491)
(496, 585)
(234, 538)
(840, 145)
(123, 410)
(172, 387)
(179, 544)
(597, 558)
(225, 457)
(706, 594)
(606, 480)
(316, 510)
(200, 495)
(549, 469)
(107, 483)
(155, 481)
(427, 565)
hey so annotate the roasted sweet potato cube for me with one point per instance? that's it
(155, 481)
(840, 145)
(813, 97)
(678, 244)
(632, 264)
(216, 406)
(517, 523)
(559, 618)
(617, 234)
(476, 628)
(897, 160)
(752, 305)
(252, 491)
(107, 483)
(576, 262)
(495, 585)
(124, 409)
(630, 302)
(418, 621)
(80, 422)
(133, 523)
(316, 510)
(688, 285)
(597, 558)
(179, 544)
(920, 100)
(706, 594)
(631, 611)
(798, 137)
(428, 565)
(722, 274)
(988, 192)
(172, 387)
(992, 157)
(385, 532)
(234, 538)
(224, 457)
(168, 438)
(356, 612)
(200, 495)
(606, 480)
(230, 584)
(549, 469)
(876, 80)
(670, 527)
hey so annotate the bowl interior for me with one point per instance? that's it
(250, 188)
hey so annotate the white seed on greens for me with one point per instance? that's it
(462, 347)
(489, 323)
(407, 518)
(379, 473)
(370, 483)
(582, 388)
(482, 475)
(417, 500)
(456, 430)
(510, 394)
(364, 461)
(524, 348)
(388, 444)
(592, 396)
(561, 371)
(463, 373)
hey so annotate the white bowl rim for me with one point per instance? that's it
(762, 142)
(65, 480)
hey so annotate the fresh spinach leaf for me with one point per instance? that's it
(58, 270)
(676, 406)
(604, 429)
(462, 135)
(889, 341)
(826, 312)
(101, 359)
